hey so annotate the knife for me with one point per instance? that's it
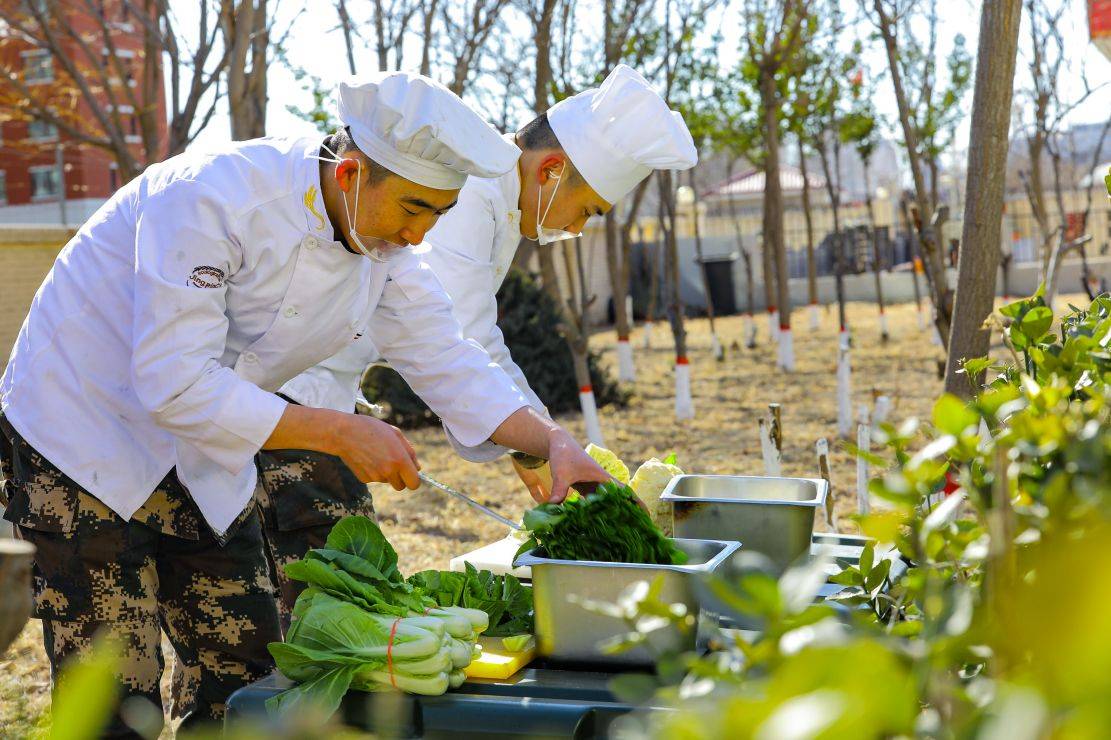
(469, 501)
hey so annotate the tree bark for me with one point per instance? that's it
(877, 260)
(671, 262)
(773, 196)
(811, 266)
(931, 250)
(247, 34)
(833, 191)
(699, 255)
(979, 254)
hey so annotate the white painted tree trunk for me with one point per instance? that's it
(629, 312)
(590, 416)
(881, 410)
(844, 393)
(773, 324)
(750, 331)
(646, 336)
(821, 448)
(921, 319)
(772, 456)
(786, 359)
(716, 348)
(883, 325)
(626, 370)
(815, 317)
(684, 403)
(863, 443)
(935, 336)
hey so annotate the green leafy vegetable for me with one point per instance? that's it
(361, 625)
(506, 601)
(606, 526)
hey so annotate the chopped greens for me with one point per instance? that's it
(606, 526)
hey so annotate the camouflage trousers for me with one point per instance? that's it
(301, 495)
(95, 573)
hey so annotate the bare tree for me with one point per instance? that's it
(925, 121)
(247, 36)
(467, 27)
(103, 98)
(987, 152)
(1050, 59)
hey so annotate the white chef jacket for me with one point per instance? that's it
(169, 320)
(470, 249)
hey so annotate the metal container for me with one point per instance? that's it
(772, 516)
(566, 631)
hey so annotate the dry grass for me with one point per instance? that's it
(428, 528)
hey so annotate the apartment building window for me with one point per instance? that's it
(39, 130)
(44, 182)
(38, 66)
(3, 187)
(114, 177)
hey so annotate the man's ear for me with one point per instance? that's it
(344, 171)
(552, 165)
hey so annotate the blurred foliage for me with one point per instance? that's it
(995, 627)
(529, 320)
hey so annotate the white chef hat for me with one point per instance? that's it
(617, 133)
(417, 128)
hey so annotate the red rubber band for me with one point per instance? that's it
(389, 651)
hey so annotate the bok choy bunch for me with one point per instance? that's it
(360, 625)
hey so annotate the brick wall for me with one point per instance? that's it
(26, 255)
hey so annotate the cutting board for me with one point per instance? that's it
(497, 557)
(496, 661)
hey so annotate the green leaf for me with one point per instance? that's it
(1036, 322)
(867, 556)
(671, 459)
(952, 416)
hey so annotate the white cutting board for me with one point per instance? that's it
(497, 557)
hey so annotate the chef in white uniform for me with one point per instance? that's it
(576, 161)
(142, 383)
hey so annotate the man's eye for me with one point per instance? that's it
(411, 213)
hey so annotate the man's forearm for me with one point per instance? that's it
(305, 428)
(527, 430)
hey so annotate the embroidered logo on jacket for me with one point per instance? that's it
(207, 276)
(310, 203)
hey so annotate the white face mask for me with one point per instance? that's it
(373, 253)
(545, 235)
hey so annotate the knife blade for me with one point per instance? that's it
(469, 501)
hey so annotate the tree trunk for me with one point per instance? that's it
(428, 37)
(246, 33)
(543, 38)
(811, 266)
(671, 265)
(877, 260)
(838, 256)
(979, 254)
(345, 26)
(931, 250)
(773, 213)
(702, 267)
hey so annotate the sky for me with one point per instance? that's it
(316, 45)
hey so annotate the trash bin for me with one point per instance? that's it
(719, 276)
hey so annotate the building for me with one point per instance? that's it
(38, 163)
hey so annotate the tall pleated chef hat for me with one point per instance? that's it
(618, 133)
(418, 129)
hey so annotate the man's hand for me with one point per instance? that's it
(378, 452)
(536, 480)
(375, 451)
(570, 465)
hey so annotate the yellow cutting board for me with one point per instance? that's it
(496, 661)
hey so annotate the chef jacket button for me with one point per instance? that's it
(290, 312)
(310, 242)
(250, 357)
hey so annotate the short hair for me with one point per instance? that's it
(341, 142)
(537, 135)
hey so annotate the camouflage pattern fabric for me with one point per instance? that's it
(301, 495)
(163, 570)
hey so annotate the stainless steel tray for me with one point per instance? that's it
(565, 631)
(772, 516)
